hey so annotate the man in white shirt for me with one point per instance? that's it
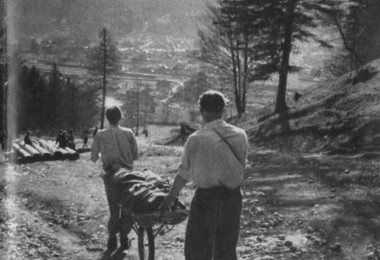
(214, 158)
(118, 148)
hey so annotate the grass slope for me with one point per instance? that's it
(340, 115)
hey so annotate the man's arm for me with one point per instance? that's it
(177, 186)
(181, 178)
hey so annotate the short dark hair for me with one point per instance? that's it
(113, 114)
(212, 101)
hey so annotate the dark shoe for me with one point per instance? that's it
(112, 243)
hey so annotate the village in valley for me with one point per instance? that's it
(308, 102)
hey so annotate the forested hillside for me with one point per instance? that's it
(85, 17)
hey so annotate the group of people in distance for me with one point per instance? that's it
(65, 139)
(213, 158)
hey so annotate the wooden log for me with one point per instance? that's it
(73, 155)
(66, 154)
(21, 151)
(45, 145)
(35, 154)
(52, 149)
(44, 153)
(63, 151)
(40, 149)
(22, 156)
(30, 149)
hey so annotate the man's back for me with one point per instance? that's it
(117, 146)
(208, 159)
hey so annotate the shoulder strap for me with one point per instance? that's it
(228, 144)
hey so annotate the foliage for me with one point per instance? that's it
(255, 38)
(193, 88)
(54, 103)
(356, 21)
(227, 43)
(139, 106)
(105, 54)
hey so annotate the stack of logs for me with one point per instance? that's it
(42, 150)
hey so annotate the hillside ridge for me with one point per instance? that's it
(341, 115)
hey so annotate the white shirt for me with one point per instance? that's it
(117, 146)
(209, 162)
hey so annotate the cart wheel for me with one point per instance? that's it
(146, 244)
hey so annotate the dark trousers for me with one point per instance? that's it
(120, 220)
(213, 226)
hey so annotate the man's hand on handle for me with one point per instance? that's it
(178, 184)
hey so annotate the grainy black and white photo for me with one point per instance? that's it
(190, 129)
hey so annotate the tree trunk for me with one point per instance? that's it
(235, 72)
(281, 106)
(137, 107)
(104, 79)
(245, 72)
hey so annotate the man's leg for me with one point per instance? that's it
(113, 197)
(126, 227)
(200, 226)
(227, 232)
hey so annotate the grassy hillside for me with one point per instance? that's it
(339, 115)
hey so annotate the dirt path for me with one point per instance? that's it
(294, 208)
(310, 208)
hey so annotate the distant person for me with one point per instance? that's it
(70, 139)
(145, 132)
(85, 137)
(297, 96)
(3, 140)
(213, 158)
(28, 139)
(118, 149)
(95, 132)
(61, 139)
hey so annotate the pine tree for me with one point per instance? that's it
(34, 99)
(258, 37)
(243, 43)
(104, 60)
(70, 100)
(54, 101)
